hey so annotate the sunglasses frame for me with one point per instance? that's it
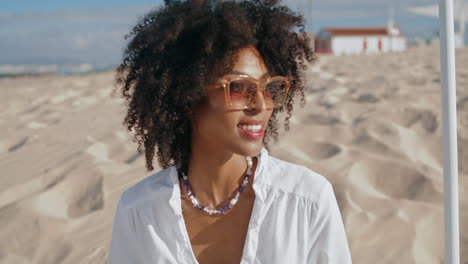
(226, 80)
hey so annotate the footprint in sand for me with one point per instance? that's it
(429, 121)
(417, 80)
(31, 110)
(462, 104)
(24, 233)
(369, 143)
(18, 144)
(328, 101)
(462, 155)
(396, 180)
(133, 158)
(51, 117)
(367, 98)
(324, 120)
(427, 118)
(322, 150)
(77, 192)
(386, 132)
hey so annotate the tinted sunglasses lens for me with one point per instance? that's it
(275, 90)
(241, 92)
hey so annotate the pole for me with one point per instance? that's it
(462, 22)
(449, 113)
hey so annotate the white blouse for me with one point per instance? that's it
(295, 219)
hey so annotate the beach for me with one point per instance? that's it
(371, 125)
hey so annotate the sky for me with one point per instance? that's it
(89, 31)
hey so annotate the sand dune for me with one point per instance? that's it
(372, 125)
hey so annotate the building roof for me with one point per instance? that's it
(381, 31)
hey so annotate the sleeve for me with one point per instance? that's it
(123, 245)
(329, 244)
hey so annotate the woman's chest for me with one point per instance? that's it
(218, 238)
(277, 229)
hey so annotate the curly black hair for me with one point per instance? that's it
(179, 47)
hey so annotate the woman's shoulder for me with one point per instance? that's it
(149, 188)
(294, 179)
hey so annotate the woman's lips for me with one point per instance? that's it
(252, 134)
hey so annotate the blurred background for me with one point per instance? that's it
(371, 125)
(88, 36)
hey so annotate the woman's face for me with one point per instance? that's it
(220, 127)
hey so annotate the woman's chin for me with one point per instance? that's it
(251, 149)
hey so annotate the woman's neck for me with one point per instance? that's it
(214, 176)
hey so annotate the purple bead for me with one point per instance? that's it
(226, 207)
(222, 210)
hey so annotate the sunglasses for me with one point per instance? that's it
(240, 90)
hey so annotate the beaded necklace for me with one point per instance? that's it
(233, 200)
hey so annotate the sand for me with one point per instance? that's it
(372, 125)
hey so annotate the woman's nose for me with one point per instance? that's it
(257, 101)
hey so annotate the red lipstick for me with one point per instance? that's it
(252, 133)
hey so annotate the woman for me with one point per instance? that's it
(205, 81)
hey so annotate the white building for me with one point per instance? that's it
(346, 41)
